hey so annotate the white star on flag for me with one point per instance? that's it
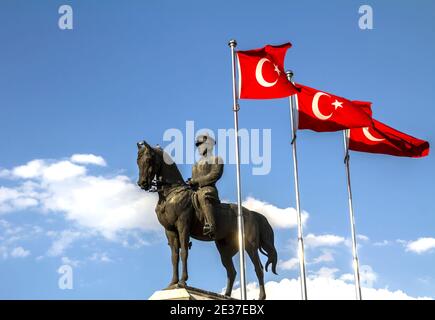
(277, 69)
(337, 104)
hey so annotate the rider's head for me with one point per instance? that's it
(205, 144)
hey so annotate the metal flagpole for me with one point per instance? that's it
(240, 225)
(352, 218)
(301, 251)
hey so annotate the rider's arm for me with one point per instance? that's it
(216, 171)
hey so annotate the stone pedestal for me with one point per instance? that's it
(187, 293)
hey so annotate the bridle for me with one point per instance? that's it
(157, 182)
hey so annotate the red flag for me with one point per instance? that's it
(381, 138)
(261, 73)
(321, 111)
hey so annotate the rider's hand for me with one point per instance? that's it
(191, 182)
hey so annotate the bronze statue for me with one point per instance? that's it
(205, 173)
(177, 214)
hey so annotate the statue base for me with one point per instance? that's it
(187, 293)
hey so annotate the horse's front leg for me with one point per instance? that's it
(174, 243)
(183, 235)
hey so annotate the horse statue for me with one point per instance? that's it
(177, 214)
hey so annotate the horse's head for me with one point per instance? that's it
(148, 163)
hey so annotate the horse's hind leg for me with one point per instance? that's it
(227, 252)
(175, 246)
(253, 254)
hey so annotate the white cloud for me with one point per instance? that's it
(382, 243)
(347, 277)
(19, 252)
(362, 237)
(88, 159)
(326, 256)
(4, 173)
(291, 264)
(100, 257)
(325, 240)
(421, 245)
(12, 237)
(30, 170)
(41, 169)
(426, 280)
(325, 272)
(63, 241)
(15, 199)
(108, 204)
(277, 217)
(367, 276)
(323, 286)
(62, 170)
(71, 262)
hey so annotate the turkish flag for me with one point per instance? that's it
(381, 138)
(261, 73)
(321, 111)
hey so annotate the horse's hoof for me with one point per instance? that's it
(262, 297)
(172, 285)
(182, 284)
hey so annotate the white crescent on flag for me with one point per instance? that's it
(369, 136)
(259, 74)
(315, 106)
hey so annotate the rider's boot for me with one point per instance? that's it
(209, 225)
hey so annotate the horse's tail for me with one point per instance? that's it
(267, 246)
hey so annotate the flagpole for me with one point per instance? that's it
(301, 251)
(240, 223)
(352, 218)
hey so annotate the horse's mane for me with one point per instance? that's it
(171, 167)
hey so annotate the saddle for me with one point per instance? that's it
(219, 206)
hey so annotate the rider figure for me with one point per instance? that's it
(205, 173)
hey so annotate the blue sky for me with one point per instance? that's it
(130, 72)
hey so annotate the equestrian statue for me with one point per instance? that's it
(192, 209)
